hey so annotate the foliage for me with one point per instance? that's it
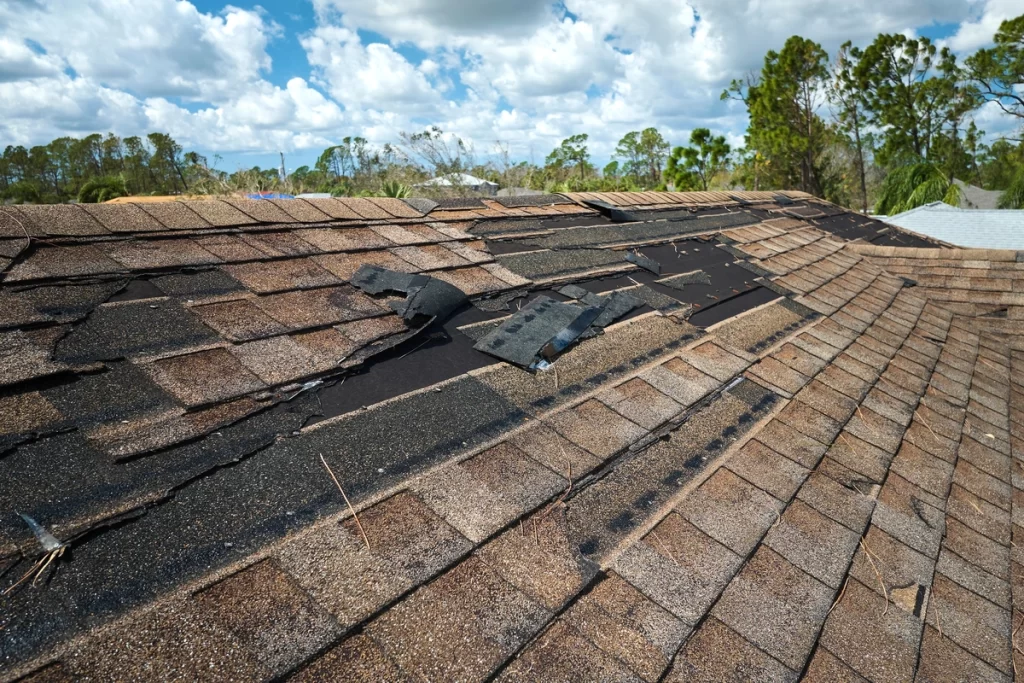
(1013, 196)
(782, 103)
(911, 93)
(694, 167)
(850, 113)
(999, 71)
(569, 158)
(393, 188)
(100, 190)
(643, 155)
(913, 185)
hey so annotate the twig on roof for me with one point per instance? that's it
(347, 502)
(416, 348)
(885, 593)
(839, 598)
(656, 537)
(934, 435)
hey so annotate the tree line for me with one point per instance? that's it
(884, 127)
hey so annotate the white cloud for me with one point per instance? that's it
(372, 76)
(979, 30)
(18, 61)
(151, 47)
(529, 73)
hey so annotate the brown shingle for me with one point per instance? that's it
(148, 254)
(562, 654)
(205, 377)
(785, 440)
(460, 626)
(975, 624)
(344, 239)
(270, 614)
(482, 494)
(712, 359)
(218, 213)
(279, 276)
(557, 453)
(472, 281)
(63, 262)
(408, 545)
(849, 506)
(430, 257)
(173, 641)
(596, 428)
(316, 307)
(276, 360)
(883, 560)
(59, 220)
(776, 607)
(357, 659)
(731, 511)
(766, 469)
(286, 243)
(239, 320)
(717, 653)
(540, 558)
(345, 265)
(680, 381)
(942, 660)
(813, 542)
(123, 217)
(639, 402)
(679, 567)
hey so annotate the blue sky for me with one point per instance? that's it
(245, 80)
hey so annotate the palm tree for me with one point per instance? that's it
(914, 185)
(1013, 196)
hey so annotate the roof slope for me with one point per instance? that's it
(799, 462)
(974, 228)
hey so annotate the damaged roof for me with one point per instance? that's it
(596, 436)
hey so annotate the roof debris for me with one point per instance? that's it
(426, 297)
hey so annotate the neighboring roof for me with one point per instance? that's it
(798, 458)
(974, 197)
(453, 179)
(982, 229)
(518, 192)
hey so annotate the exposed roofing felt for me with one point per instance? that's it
(980, 229)
(795, 454)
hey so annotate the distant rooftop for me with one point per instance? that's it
(980, 228)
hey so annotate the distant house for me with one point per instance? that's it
(974, 197)
(982, 228)
(462, 181)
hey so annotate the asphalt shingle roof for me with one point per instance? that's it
(974, 228)
(803, 464)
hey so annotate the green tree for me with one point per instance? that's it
(571, 156)
(102, 189)
(912, 185)
(850, 112)
(1013, 196)
(911, 92)
(643, 155)
(782, 104)
(694, 167)
(998, 71)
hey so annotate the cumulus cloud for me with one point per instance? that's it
(528, 73)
